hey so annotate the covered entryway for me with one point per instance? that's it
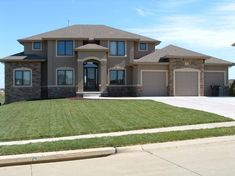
(90, 76)
(154, 82)
(186, 83)
(213, 78)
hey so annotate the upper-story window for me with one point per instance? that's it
(143, 46)
(23, 77)
(117, 48)
(64, 47)
(37, 45)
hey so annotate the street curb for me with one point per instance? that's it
(33, 158)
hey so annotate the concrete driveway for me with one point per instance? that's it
(224, 106)
(211, 157)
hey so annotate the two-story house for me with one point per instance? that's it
(78, 59)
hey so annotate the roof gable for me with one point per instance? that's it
(91, 46)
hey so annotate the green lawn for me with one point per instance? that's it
(65, 117)
(116, 141)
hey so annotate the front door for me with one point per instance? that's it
(90, 76)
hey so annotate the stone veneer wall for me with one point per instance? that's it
(186, 63)
(12, 93)
(124, 91)
(61, 92)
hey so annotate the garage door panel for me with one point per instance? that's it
(211, 79)
(154, 83)
(186, 83)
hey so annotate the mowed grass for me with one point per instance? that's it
(116, 141)
(66, 117)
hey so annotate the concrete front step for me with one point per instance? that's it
(89, 94)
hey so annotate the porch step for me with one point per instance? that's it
(89, 94)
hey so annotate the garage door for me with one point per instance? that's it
(213, 78)
(186, 83)
(154, 83)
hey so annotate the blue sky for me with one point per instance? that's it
(203, 26)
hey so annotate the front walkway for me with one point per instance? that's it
(123, 133)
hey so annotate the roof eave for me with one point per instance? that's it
(149, 63)
(23, 60)
(226, 64)
(90, 49)
(185, 57)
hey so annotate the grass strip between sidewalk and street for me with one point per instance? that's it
(116, 141)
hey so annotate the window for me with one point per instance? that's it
(117, 77)
(37, 45)
(64, 48)
(117, 48)
(23, 77)
(143, 46)
(64, 77)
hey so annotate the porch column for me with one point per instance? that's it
(103, 72)
(80, 76)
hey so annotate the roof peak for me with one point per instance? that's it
(89, 32)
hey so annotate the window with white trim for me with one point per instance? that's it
(117, 48)
(64, 77)
(117, 77)
(23, 77)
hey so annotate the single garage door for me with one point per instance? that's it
(186, 83)
(211, 79)
(154, 83)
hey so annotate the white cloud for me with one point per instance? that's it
(143, 12)
(212, 29)
(140, 12)
(225, 7)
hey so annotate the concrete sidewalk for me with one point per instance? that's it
(123, 133)
(208, 156)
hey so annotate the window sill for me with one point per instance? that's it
(21, 86)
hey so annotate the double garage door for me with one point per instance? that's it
(154, 83)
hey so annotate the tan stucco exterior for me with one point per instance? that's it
(134, 70)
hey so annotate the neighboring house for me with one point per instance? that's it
(97, 58)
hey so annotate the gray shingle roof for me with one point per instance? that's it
(172, 51)
(21, 57)
(91, 46)
(214, 60)
(90, 32)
